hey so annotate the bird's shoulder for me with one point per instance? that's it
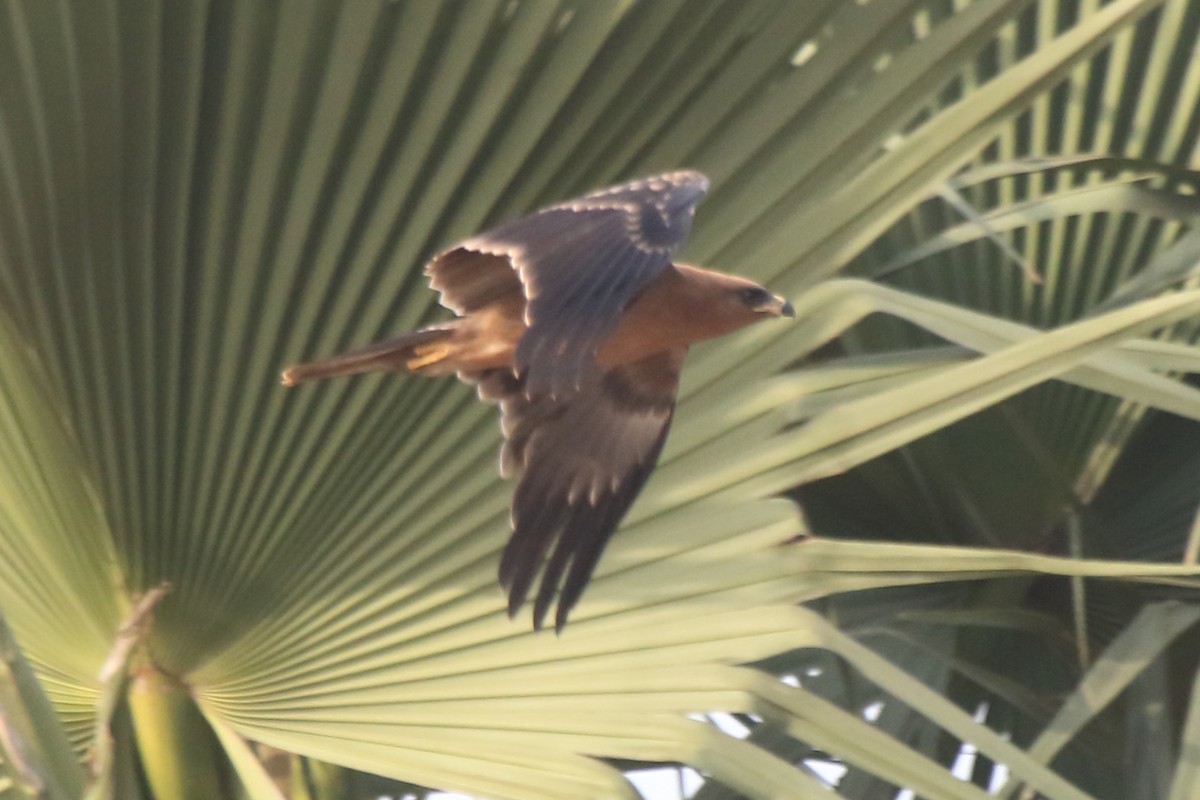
(578, 263)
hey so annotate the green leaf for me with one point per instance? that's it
(1187, 771)
(37, 755)
(255, 780)
(195, 194)
(1155, 627)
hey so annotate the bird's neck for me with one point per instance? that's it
(674, 311)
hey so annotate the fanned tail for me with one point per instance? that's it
(419, 351)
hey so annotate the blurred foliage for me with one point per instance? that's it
(985, 418)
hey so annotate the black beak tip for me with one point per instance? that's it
(786, 310)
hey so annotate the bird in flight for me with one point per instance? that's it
(576, 321)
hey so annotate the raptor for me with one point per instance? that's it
(576, 320)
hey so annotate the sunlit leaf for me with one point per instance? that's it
(196, 193)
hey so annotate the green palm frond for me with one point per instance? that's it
(198, 193)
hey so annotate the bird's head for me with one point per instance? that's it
(738, 302)
(718, 303)
(758, 301)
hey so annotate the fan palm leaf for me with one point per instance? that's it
(197, 193)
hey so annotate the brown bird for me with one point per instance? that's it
(577, 322)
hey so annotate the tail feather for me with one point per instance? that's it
(408, 353)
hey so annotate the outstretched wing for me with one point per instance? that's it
(580, 264)
(583, 459)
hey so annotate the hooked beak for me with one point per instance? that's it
(780, 307)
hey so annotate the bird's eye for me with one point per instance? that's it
(755, 297)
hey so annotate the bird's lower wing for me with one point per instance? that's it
(583, 459)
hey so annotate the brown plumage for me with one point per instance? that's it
(576, 321)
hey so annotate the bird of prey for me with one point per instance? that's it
(576, 321)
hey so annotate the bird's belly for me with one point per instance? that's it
(489, 340)
(486, 354)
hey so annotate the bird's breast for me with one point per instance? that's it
(659, 320)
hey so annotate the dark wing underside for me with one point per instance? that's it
(580, 264)
(583, 459)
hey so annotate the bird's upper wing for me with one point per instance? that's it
(580, 263)
(583, 460)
